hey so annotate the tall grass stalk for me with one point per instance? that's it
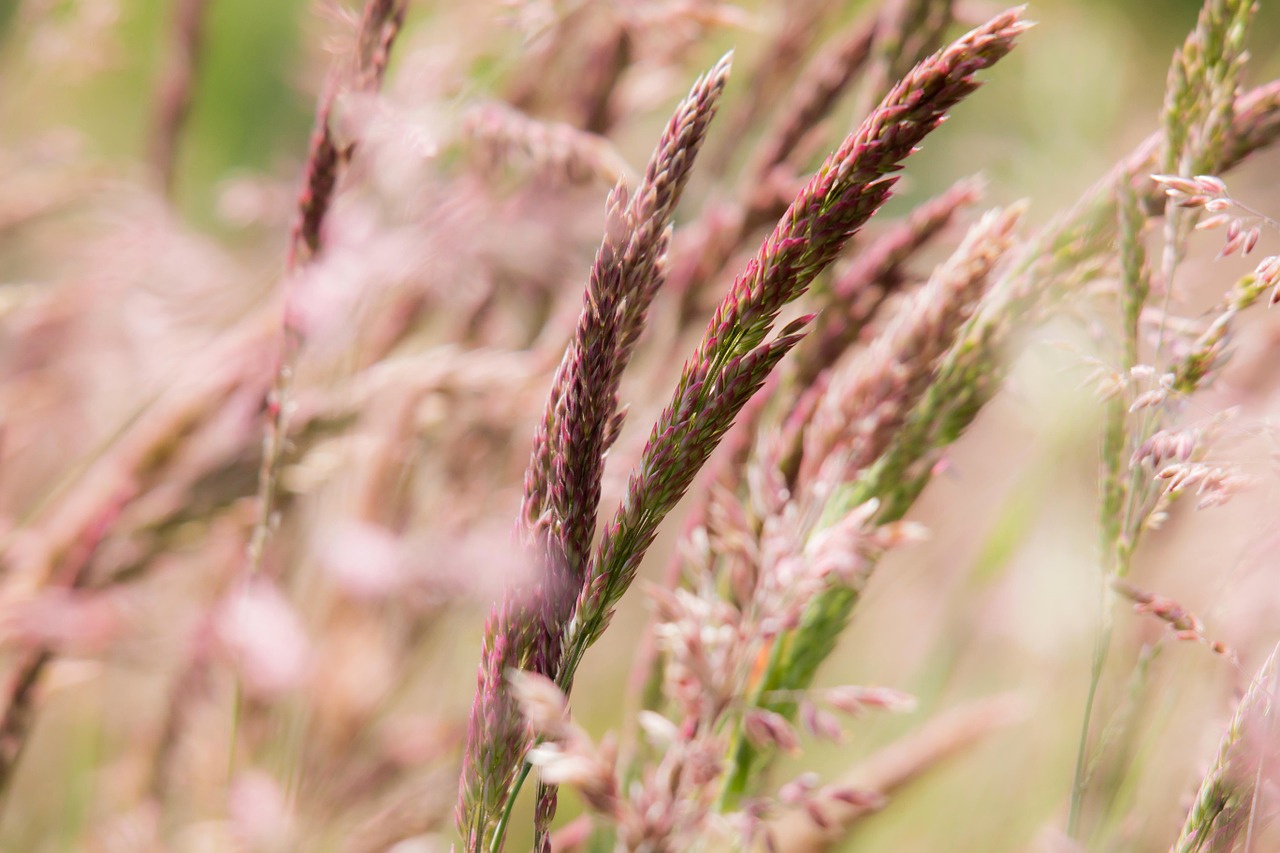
(259, 462)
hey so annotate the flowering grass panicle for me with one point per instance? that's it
(733, 358)
(262, 439)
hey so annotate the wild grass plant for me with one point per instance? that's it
(260, 473)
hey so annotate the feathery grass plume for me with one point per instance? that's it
(564, 471)
(1133, 500)
(623, 283)
(135, 383)
(553, 151)
(1202, 87)
(1197, 115)
(970, 373)
(851, 300)
(1209, 350)
(733, 358)
(1228, 802)
(846, 307)
(361, 70)
(1199, 107)
(769, 182)
(879, 265)
(1135, 285)
(1071, 248)
(722, 230)
(380, 23)
(177, 88)
(20, 709)
(907, 31)
(1007, 26)
(810, 100)
(497, 737)
(1064, 254)
(1184, 624)
(138, 449)
(972, 370)
(607, 59)
(1255, 124)
(799, 26)
(562, 482)
(867, 402)
(864, 404)
(572, 67)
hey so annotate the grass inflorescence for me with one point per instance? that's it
(552, 298)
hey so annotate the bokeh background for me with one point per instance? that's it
(117, 294)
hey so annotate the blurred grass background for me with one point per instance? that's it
(1002, 599)
(1086, 85)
